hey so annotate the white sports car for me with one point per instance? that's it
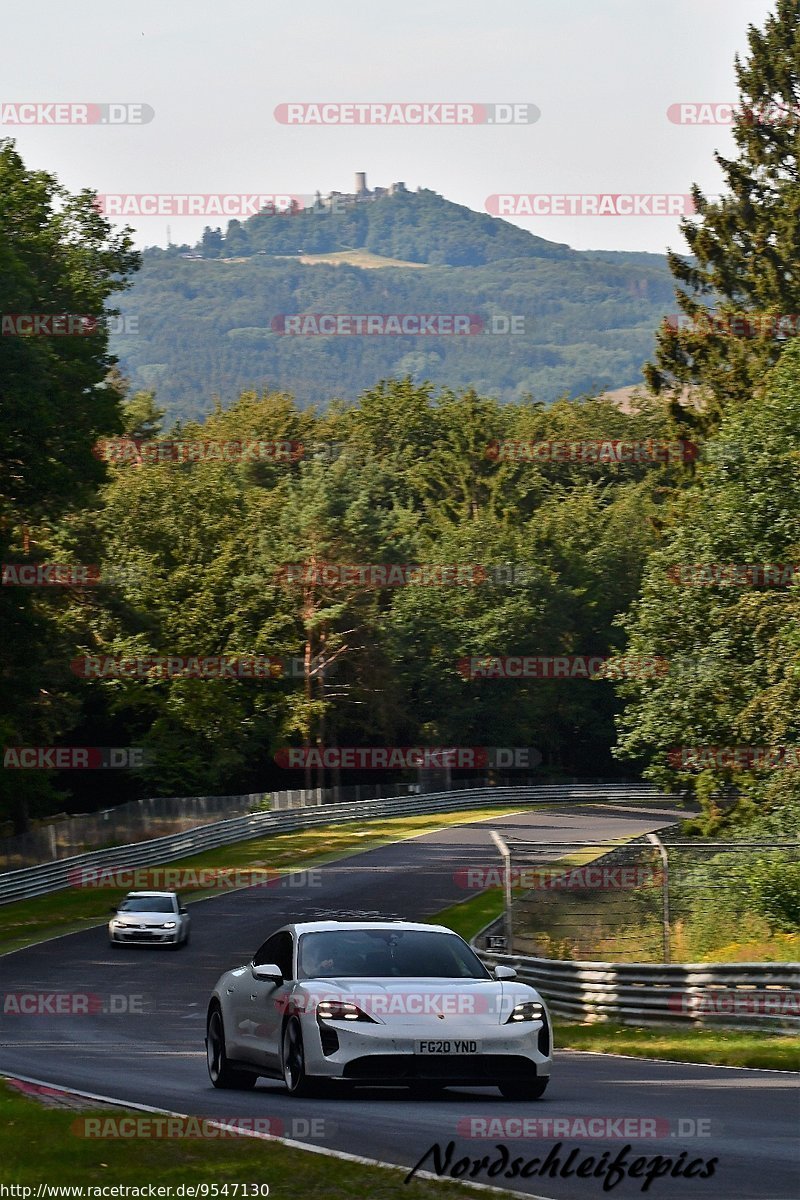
(376, 1002)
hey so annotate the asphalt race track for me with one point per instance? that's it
(749, 1120)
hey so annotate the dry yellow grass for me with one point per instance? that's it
(353, 258)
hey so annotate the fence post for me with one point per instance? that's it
(655, 840)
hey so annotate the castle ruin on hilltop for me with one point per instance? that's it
(361, 195)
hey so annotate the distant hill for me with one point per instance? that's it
(211, 324)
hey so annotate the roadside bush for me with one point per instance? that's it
(776, 888)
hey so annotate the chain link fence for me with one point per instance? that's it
(142, 820)
(135, 821)
(679, 901)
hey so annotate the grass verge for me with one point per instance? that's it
(25, 922)
(717, 1047)
(38, 1145)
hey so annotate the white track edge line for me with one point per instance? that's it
(676, 1062)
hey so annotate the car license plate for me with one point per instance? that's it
(447, 1046)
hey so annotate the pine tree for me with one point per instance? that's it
(746, 247)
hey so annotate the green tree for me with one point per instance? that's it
(57, 256)
(142, 417)
(734, 651)
(212, 243)
(746, 246)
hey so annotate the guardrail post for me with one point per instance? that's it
(507, 922)
(655, 840)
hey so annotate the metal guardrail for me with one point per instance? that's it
(55, 876)
(741, 995)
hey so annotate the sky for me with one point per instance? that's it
(602, 73)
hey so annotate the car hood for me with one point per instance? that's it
(421, 1001)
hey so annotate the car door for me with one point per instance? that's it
(261, 1003)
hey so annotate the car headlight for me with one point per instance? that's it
(170, 924)
(528, 1010)
(341, 1010)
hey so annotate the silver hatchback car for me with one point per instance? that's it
(149, 919)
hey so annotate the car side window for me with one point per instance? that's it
(278, 950)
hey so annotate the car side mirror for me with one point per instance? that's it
(113, 910)
(183, 911)
(505, 973)
(268, 972)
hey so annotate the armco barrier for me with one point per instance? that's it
(740, 995)
(54, 876)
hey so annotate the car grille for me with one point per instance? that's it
(144, 935)
(472, 1068)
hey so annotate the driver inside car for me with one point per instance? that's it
(319, 961)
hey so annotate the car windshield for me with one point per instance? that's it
(147, 904)
(390, 953)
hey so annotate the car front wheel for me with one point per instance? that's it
(294, 1062)
(221, 1074)
(532, 1090)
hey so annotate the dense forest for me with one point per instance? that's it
(193, 555)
